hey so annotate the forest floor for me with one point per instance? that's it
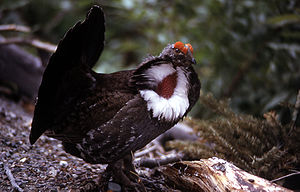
(43, 166)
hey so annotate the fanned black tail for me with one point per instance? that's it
(68, 71)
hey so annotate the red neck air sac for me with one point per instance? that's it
(167, 86)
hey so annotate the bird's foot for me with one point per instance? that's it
(123, 172)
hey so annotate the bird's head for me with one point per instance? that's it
(179, 53)
(165, 81)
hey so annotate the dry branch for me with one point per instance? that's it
(286, 176)
(12, 179)
(214, 175)
(14, 27)
(33, 42)
(155, 162)
(296, 112)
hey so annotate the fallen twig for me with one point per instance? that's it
(12, 179)
(296, 112)
(33, 42)
(14, 27)
(145, 151)
(286, 176)
(150, 162)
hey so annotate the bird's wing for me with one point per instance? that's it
(92, 108)
(69, 70)
(130, 129)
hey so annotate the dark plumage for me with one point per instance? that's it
(101, 118)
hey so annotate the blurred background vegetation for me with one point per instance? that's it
(246, 50)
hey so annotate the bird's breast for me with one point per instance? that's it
(170, 100)
(167, 86)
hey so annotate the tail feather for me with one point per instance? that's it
(68, 69)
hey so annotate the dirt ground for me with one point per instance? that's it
(43, 166)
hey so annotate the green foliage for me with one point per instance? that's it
(263, 147)
(246, 50)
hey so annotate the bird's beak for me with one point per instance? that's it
(194, 61)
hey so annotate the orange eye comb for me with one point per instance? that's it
(183, 47)
(179, 45)
(190, 47)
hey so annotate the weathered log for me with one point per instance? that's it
(214, 174)
(20, 68)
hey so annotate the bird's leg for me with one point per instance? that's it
(123, 172)
(116, 170)
(129, 168)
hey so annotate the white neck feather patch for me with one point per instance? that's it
(167, 108)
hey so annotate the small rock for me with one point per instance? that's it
(63, 163)
(52, 172)
(25, 147)
(12, 115)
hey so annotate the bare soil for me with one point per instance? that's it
(43, 166)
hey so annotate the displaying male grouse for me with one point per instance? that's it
(102, 118)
